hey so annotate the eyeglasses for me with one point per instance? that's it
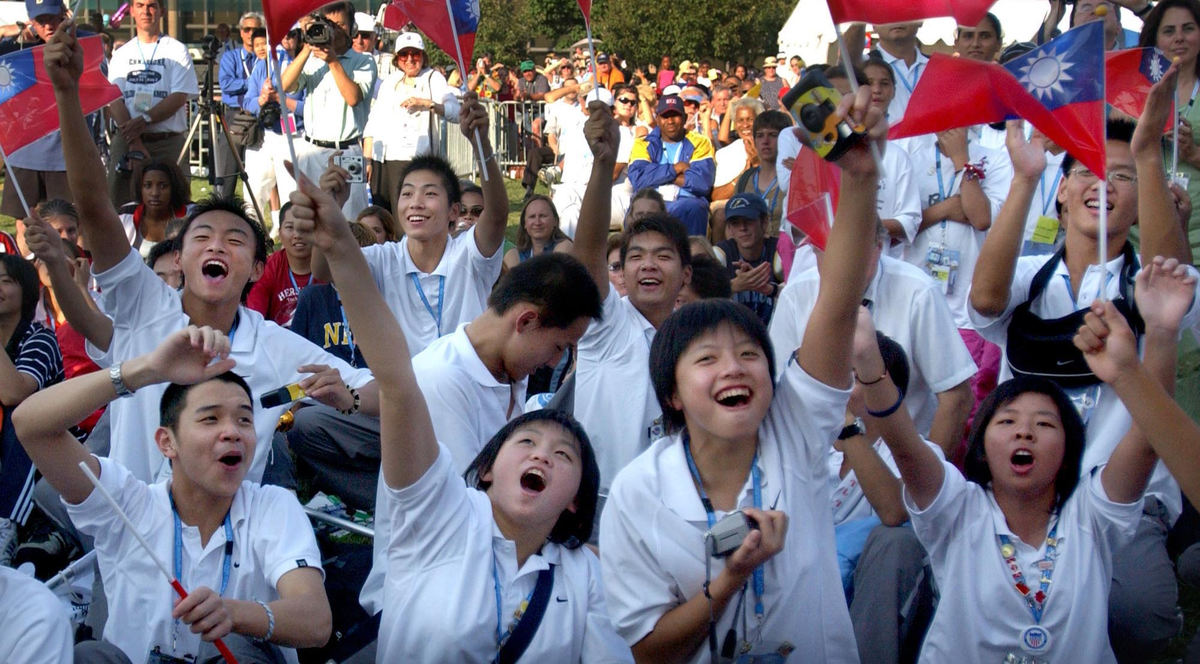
(1117, 177)
(475, 210)
(409, 55)
(627, 100)
(614, 266)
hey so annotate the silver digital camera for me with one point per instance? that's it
(353, 165)
(727, 534)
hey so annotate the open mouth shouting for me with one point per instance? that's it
(1021, 461)
(214, 270)
(734, 397)
(231, 459)
(533, 481)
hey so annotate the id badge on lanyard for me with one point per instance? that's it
(1084, 399)
(942, 264)
(770, 653)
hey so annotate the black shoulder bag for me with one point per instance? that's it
(1045, 348)
(527, 626)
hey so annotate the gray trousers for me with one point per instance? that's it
(342, 451)
(893, 596)
(1143, 605)
(244, 650)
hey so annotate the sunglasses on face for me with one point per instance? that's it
(475, 210)
(627, 100)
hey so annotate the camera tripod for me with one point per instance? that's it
(206, 107)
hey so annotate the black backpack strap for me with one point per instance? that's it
(523, 633)
(1042, 277)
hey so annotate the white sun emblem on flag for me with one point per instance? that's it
(1045, 74)
(1156, 69)
(6, 77)
(473, 10)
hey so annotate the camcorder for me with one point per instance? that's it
(320, 32)
(270, 114)
(727, 534)
(211, 47)
(813, 103)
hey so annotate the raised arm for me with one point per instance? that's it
(74, 303)
(42, 420)
(98, 220)
(1158, 225)
(591, 234)
(992, 281)
(489, 229)
(826, 348)
(408, 446)
(1164, 292)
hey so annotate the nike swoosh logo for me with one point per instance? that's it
(1062, 363)
(560, 599)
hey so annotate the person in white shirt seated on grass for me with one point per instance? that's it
(738, 442)
(1042, 594)
(509, 540)
(207, 516)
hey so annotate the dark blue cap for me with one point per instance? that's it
(670, 104)
(36, 8)
(746, 206)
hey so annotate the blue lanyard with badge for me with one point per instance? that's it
(915, 73)
(156, 656)
(143, 100)
(941, 262)
(740, 652)
(437, 316)
(1046, 231)
(1035, 639)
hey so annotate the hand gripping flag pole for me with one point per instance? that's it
(220, 645)
(462, 67)
(848, 65)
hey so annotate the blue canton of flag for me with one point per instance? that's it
(1154, 64)
(466, 15)
(1066, 70)
(16, 74)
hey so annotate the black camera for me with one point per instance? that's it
(211, 47)
(269, 115)
(320, 32)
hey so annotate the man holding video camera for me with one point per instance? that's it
(337, 81)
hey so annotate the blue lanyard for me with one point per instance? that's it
(237, 318)
(501, 637)
(296, 289)
(228, 557)
(1035, 600)
(1051, 194)
(773, 186)
(915, 71)
(667, 157)
(437, 317)
(1103, 288)
(756, 483)
(145, 62)
(937, 165)
(346, 334)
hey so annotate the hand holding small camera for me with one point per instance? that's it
(762, 542)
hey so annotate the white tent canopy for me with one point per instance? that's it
(809, 33)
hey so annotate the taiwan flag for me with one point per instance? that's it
(1058, 87)
(451, 24)
(966, 12)
(813, 196)
(394, 17)
(1129, 75)
(27, 107)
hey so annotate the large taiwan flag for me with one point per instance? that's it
(27, 107)
(1058, 87)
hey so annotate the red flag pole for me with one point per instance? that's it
(462, 67)
(848, 65)
(220, 645)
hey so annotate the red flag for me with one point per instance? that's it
(283, 14)
(27, 107)
(1064, 97)
(966, 12)
(813, 196)
(453, 33)
(394, 17)
(1128, 76)
(586, 6)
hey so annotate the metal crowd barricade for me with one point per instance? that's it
(509, 122)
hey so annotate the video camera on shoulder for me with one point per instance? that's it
(320, 32)
(813, 103)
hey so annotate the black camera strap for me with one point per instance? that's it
(527, 626)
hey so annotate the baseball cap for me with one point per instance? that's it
(601, 58)
(687, 67)
(409, 40)
(770, 61)
(746, 206)
(669, 104)
(694, 97)
(363, 21)
(601, 94)
(671, 89)
(527, 65)
(35, 8)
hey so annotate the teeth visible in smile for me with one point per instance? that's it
(214, 268)
(733, 396)
(533, 480)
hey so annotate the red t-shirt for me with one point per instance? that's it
(76, 363)
(276, 294)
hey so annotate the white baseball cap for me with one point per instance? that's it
(601, 94)
(409, 40)
(364, 22)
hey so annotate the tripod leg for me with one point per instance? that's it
(187, 142)
(237, 160)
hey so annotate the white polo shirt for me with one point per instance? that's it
(898, 197)
(271, 537)
(981, 615)
(614, 400)
(145, 310)
(906, 81)
(908, 307)
(457, 289)
(652, 533)
(955, 236)
(148, 73)
(34, 625)
(398, 134)
(847, 498)
(468, 406)
(440, 597)
(1109, 419)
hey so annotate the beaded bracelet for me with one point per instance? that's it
(357, 402)
(270, 620)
